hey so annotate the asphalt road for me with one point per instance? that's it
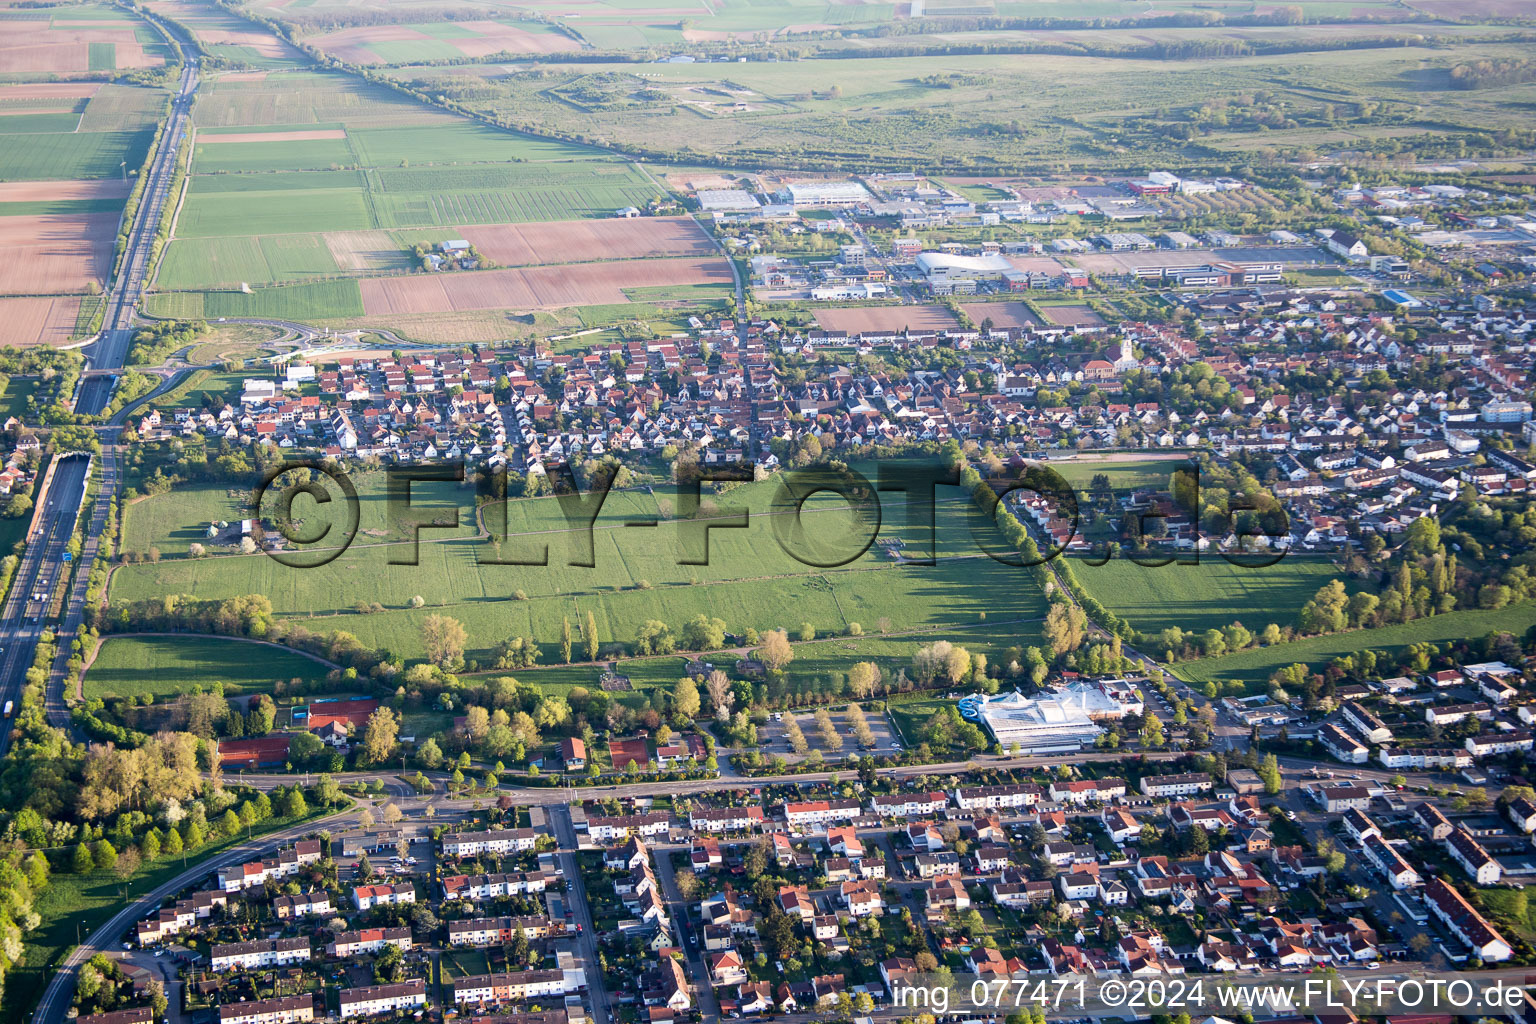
(22, 619)
(111, 348)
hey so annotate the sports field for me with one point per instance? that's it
(168, 666)
(1212, 594)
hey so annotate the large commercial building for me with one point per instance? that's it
(1037, 724)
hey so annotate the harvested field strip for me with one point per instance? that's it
(297, 136)
(39, 321)
(534, 288)
(516, 245)
(47, 191)
(51, 255)
(885, 318)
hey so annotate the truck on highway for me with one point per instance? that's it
(10, 706)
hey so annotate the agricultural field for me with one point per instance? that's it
(67, 150)
(1255, 665)
(346, 179)
(456, 40)
(975, 113)
(749, 581)
(535, 287)
(167, 666)
(854, 319)
(81, 38)
(1212, 594)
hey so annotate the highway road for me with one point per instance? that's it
(22, 619)
(111, 348)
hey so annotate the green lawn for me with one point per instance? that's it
(14, 393)
(167, 666)
(1256, 665)
(1211, 594)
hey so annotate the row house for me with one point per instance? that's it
(606, 829)
(1182, 784)
(1085, 791)
(482, 887)
(1431, 758)
(1490, 744)
(500, 842)
(1463, 920)
(250, 956)
(282, 1010)
(304, 904)
(491, 931)
(1397, 871)
(368, 941)
(1342, 745)
(1367, 723)
(1473, 858)
(184, 915)
(973, 798)
(909, 805)
(366, 897)
(286, 864)
(377, 1000)
(511, 987)
(725, 819)
(821, 812)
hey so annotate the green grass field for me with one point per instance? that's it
(225, 262)
(1212, 594)
(278, 211)
(322, 300)
(75, 155)
(1255, 666)
(165, 666)
(750, 581)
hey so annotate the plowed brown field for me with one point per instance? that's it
(582, 284)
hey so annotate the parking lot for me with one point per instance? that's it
(771, 735)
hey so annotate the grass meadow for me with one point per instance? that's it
(1211, 594)
(749, 581)
(1256, 665)
(166, 666)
